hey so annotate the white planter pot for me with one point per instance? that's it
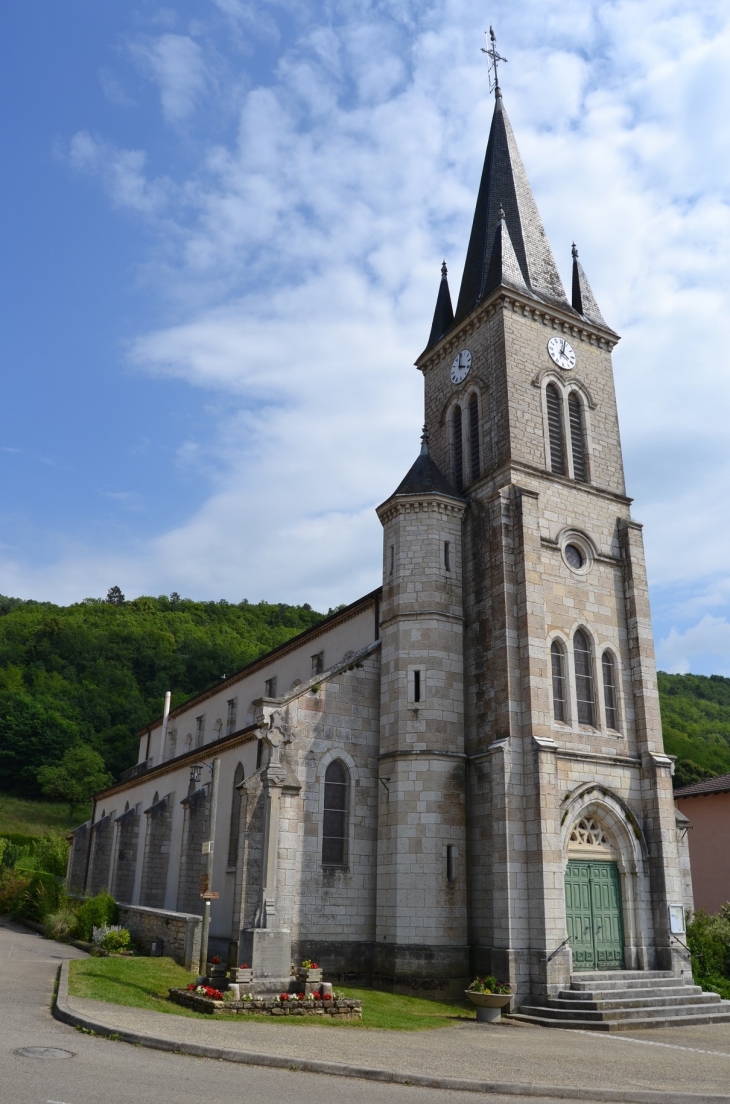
(489, 1005)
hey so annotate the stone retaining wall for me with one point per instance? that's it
(337, 1009)
(177, 932)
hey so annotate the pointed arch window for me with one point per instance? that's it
(610, 696)
(235, 816)
(554, 402)
(584, 689)
(474, 465)
(560, 695)
(577, 437)
(458, 448)
(334, 825)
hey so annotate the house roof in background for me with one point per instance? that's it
(720, 784)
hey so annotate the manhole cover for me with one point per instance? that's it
(43, 1052)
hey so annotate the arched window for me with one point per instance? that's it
(583, 678)
(610, 697)
(235, 816)
(457, 446)
(560, 698)
(554, 402)
(334, 826)
(474, 465)
(577, 437)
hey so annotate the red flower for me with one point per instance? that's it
(214, 994)
(326, 996)
(284, 996)
(316, 996)
(314, 966)
(215, 960)
(244, 967)
(191, 985)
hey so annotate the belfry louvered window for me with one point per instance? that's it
(554, 402)
(458, 448)
(474, 465)
(584, 691)
(557, 663)
(610, 698)
(334, 823)
(577, 437)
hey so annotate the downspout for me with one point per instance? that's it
(165, 716)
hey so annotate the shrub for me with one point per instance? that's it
(116, 941)
(14, 884)
(43, 896)
(93, 913)
(9, 853)
(51, 855)
(60, 924)
(708, 938)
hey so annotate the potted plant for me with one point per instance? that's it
(309, 972)
(490, 996)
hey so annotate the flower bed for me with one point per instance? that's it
(340, 1008)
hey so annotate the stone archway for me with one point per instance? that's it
(593, 900)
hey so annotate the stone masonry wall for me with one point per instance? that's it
(177, 934)
(193, 863)
(101, 854)
(156, 861)
(76, 870)
(126, 859)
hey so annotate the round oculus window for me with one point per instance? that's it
(574, 557)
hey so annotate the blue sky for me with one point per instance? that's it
(223, 225)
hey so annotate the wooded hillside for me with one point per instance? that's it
(696, 724)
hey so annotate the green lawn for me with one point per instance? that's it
(37, 818)
(143, 983)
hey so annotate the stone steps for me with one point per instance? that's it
(618, 1000)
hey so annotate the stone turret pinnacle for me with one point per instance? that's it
(583, 298)
(504, 184)
(443, 316)
(503, 268)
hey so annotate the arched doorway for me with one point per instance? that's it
(593, 911)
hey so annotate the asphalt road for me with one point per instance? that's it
(105, 1072)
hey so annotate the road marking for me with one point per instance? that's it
(649, 1042)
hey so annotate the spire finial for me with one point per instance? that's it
(424, 441)
(574, 251)
(444, 270)
(492, 58)
(502, 215)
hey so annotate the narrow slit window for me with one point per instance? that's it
(417, 686)
(610, 696)
(259, 754)
(584, 679)
(554, 402)
(577, 437)
(200, 731)
(474, 438)
(235, 817)
(231, 717)
(557, 662)
(447, 556)
(392, 558)
(458, 447)
(450, 862)
(270, 687)
(318, 663)
(334, 826)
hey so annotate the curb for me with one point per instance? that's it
(63, 1011)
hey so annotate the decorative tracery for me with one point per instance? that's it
(587, 833)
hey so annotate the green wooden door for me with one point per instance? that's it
(593, 915)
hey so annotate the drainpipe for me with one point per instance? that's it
(165, 716)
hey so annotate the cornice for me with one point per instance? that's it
(572, 325)
(428, 502)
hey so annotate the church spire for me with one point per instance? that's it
(583, 298)
(504, 184)
(443, 316)
(503, 265)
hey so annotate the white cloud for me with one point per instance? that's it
(175, 62)
(122, 172)
(709, 640)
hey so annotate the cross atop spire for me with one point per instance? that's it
(492, 58)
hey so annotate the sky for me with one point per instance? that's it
(222, 229)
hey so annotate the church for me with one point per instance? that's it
(462, 772)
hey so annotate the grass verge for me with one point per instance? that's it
(143, 983)
(21, 816)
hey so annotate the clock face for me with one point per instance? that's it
(562, 352)
(460, 367)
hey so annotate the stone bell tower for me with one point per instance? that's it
(561, 722)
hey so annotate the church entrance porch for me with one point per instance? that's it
(593, 915)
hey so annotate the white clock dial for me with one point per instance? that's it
(461, 366)
(562, 352)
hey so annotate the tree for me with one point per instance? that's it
(114, 596)
(79, 775)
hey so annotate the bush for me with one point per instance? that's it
(116, 940)
(60, 924)
(51, 855)
(9, 853)
(93, 913)
(708, 938)
(14, 884)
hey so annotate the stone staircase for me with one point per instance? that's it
(624, 999)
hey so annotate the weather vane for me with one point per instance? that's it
(492, 58)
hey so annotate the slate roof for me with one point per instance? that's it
(425, 478)
(443, 316)
(584, 301)
(720, 784)
(504, 184)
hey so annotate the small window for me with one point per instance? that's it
(231, 717)
(577, 437)
(610, 696)
(270, 687)
(392, 558)
(584, 679)
(560, 702)
(458, 447)
(200, 731)
(474, 438)
(450, 862)
(554, 402)
(416, 686)
(318, 663)
(334, 826)
(447, 555)
(259, 754)
(235, 817)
